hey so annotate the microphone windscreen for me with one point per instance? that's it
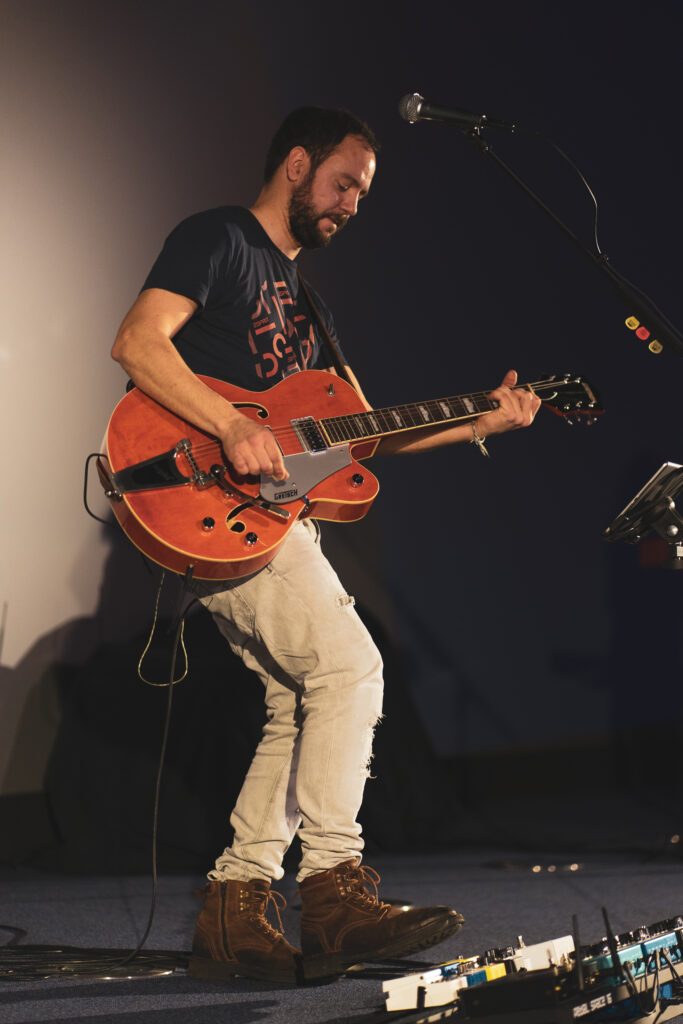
(409, 107)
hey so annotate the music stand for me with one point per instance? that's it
(654, 508)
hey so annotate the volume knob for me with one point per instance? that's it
(208, 522)
(357, 479)
(251, 538)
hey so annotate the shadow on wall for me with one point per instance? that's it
(31, 711)
(100, 777)
(95, 730)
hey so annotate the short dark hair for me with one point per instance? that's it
(319, 130)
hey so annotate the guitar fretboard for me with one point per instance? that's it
(396, 418)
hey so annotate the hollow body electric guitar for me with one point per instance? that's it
(181, 502)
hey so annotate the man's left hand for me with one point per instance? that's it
(516, 408)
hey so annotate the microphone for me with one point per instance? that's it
(413, 108)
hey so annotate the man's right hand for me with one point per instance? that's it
(252, 449)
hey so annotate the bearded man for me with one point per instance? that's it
(224, 298)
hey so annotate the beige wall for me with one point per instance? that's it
(96, 164)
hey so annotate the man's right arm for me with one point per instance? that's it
(144, 348)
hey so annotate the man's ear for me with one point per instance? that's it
(297, 165)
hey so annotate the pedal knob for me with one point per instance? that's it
(357, 479)
(251, 538)
(208, 523)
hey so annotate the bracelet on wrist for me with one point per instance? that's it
(478, 439)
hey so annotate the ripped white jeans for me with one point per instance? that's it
(295, 626)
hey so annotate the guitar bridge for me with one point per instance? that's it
(199, 477)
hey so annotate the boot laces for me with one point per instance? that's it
(362, 883)
(257, 904)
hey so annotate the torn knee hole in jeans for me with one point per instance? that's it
(372, 723)
(343, 600)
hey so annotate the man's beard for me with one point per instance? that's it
(304, 220)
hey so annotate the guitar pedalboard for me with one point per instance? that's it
(632, 977)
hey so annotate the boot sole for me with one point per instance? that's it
(204, 969)
(325, 965)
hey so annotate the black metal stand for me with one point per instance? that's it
(653, 508)
(638, 303)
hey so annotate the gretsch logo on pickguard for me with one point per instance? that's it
(292, 493)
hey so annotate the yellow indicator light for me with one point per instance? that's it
(655, 346)
(632, 323)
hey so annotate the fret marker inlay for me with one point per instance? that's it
(425, 413)
(396, 416)
(469, 405)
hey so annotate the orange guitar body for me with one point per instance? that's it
(215, 529)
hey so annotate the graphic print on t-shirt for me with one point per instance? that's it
(253, 324)
(280, 343)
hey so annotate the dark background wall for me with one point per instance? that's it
(518, 627)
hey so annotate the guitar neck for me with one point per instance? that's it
(398, 419)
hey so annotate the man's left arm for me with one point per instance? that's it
(516, 408)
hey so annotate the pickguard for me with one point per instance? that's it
(306, 469)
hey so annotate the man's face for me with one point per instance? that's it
(322, 203)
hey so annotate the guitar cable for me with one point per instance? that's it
(178, 642)
(88, 460)
(25, 963)
(93, 515)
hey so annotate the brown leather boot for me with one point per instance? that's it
(232, 935)
(343, 922)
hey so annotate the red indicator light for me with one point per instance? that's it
(642, 333)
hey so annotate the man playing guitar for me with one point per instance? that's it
(224, 299)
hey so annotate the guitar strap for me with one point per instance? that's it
(334, 351)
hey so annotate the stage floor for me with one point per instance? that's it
(499, 893)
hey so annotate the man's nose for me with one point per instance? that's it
(349, 204)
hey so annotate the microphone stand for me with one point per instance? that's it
(662, 329)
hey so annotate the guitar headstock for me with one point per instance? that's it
(570, 397)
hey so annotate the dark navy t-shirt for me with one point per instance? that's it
(253, 325)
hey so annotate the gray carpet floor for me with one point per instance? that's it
(499, 893)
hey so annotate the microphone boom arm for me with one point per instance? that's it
(638, 302)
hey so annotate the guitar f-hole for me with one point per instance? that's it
(261, 410)
(236, 511)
